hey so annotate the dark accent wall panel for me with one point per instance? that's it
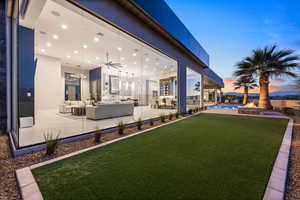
(95, 84)
(3, 114)
(26, 72)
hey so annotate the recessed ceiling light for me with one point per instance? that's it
(76, 52)
(85, 46)
(43, 33)
(43, 50)
(134, 63)
(166, 66)
(135, 52)
(48, 44)
(55, 13)
(147, 59)
(55, 36)
(88, 61)
(157, 63)
(100, 34)
(97, 58)
(63, 26)
(68, 56)
(96, 39)
(119, 49)
(122, 58)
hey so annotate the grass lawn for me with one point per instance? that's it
(207, 156)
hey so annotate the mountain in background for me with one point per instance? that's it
(273, 94)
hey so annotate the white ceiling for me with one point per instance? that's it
(81, 29)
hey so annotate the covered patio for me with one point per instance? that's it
(212, 85)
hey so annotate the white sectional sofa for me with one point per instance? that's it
(109, 110)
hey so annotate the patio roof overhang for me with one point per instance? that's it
(170, 25)
(212, 80)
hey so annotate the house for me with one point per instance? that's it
(74, 66)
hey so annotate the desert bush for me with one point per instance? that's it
(151, 122)
(121, 128)
(51, 142)
(288, 111)
(170, 116)
(162, 118)
(139, 124)
(98, 135)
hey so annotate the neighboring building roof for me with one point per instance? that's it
(162, 14)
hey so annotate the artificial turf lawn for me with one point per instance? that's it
(207, 156)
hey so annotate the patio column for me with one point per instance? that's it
(202, 91)
(216, 96)
(181, 76)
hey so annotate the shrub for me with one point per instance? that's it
(177, 115)
(51, 142)
(170, 116)
(139, 124)
(297, 113)
(182, 114)
(276, 108)
(97, 135)
(162, 118)
(288, 111)
(190, 111)
(121, 128)
(151, 121)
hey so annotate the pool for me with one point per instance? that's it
(224, 106)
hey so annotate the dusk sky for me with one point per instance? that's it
(230, 30)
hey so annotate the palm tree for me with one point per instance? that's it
(297, 83)
(268, 63)
(246, 82)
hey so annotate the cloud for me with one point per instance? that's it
(278, 85)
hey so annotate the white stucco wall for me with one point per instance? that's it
(48, 83)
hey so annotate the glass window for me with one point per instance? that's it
(72, 87)
(193, 91)
(90, 75)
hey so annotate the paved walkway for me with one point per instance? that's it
(235, 112)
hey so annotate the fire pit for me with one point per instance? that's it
(250, 108)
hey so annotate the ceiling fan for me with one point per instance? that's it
(111, 64)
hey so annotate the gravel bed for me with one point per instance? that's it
(8, 185)
(293, 183)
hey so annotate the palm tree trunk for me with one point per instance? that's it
(245, 99)
(264, 101)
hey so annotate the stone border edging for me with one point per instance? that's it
(275, 189)
(26, 181)
(28, 187)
